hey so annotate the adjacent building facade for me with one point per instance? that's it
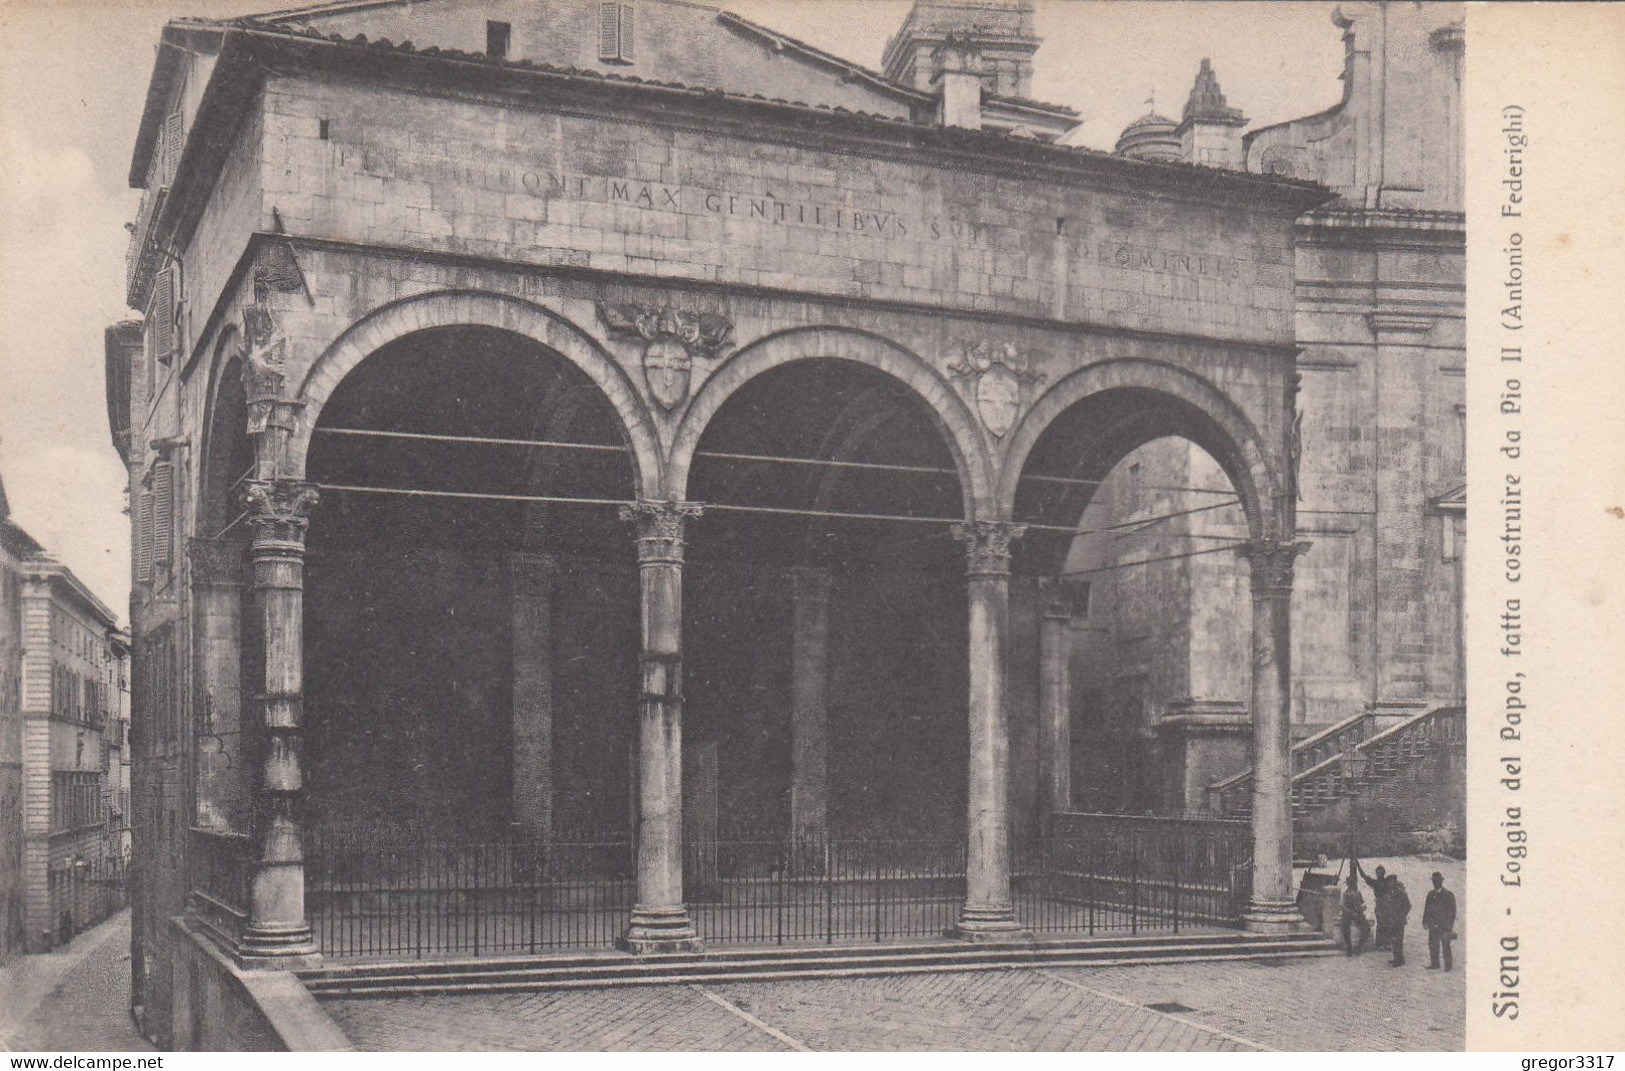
(64, 768)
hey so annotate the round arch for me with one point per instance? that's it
(465, 308)
(1221, 428)
(213, 480)
(960, 430)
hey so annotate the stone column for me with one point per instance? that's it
(223, 788)
(809, 702)
(988, 910)
(1273, 906)
(660, 921)
(1060, 601)
(532, 576)
(277, 933)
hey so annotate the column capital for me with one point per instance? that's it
(1272, 562)
(987, 545)
(215, 563)
(279, 510)
(1063, 598)
(660, 527)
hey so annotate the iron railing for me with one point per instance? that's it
(1366, 759)
(783, 890)
(390, 897)
(1108, 872)
(220, 866)
(378, 895)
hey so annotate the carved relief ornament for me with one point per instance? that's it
(998, 376)
(672, 339)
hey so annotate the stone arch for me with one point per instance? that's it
(961, 432)
(1217, 424)
(214, 481)
(469, 308)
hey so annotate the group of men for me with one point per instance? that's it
(1393, 909)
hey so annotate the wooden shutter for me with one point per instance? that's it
(625, 26)
(162, 316)
(609, 31)
(172, 147)
(163, 513)
(143, 538)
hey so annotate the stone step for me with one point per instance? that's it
(777, 964)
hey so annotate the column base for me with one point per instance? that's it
(660, 930)
(1273, 916)
(985, 922)
(277, 948)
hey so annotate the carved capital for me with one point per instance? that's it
(1063, 598)
(987, 545)
(215, 563)
(279, 510)
(660, 527)
(1272, 562)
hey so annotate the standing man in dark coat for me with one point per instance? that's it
(1380, 884)
(1439, 919)
(1399, 912)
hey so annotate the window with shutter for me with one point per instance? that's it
(625, 22)
(609, 31)
(143, 538)
(163, 514)
(615, 31)
(162, 316)
(172, 147)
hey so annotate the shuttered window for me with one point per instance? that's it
(162, 316)
(171, 148)
(615, 35)
(163, 514)
(143, 538)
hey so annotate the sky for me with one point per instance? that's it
(73, 75)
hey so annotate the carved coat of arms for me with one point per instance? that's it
(672, 340)
(998, 373)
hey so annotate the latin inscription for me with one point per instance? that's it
(769, 210)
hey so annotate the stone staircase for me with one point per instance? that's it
(608, 968)
(1346, 757)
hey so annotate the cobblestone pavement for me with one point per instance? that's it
(75, 999)
(1324, 1003)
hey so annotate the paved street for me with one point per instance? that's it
(1331, 1002)
(74, 999)
(77, 999)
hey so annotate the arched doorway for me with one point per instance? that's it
(1130, 481)
(471, 648)
(826, 659)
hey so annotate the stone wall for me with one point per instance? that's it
(630, 197)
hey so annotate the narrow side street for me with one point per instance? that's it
(74, 999)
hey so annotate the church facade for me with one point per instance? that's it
(616, 422)
(1379, 450)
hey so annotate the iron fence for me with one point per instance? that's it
(220, 874)
(784, 890)
(385, 896)
(391, 897)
